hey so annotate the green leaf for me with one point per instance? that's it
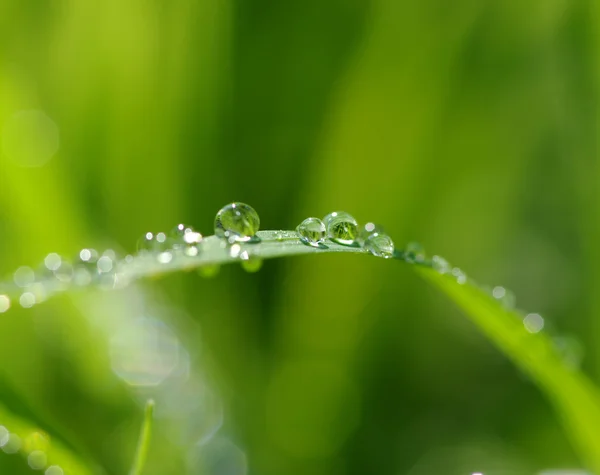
(33, 438)
(575, 398)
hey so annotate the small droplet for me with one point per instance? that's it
(237, 222)
(37, 460)
(341, 227)
(440, 264)
(183, 237)
(461, 277)
(164, 257)
(534, 323)
(105, 264)
(380, 245)
(209, 271)
(152, 242)
(369, 229)
(4, 303)
(279, 236)
(312, 231)
(252, 265)
(504, 296)
(414, 253)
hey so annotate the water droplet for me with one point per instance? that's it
(414, 252)
(4, 303)
(164, 257)
(279, 236)
(208, 271)
(252, 265)
(152, 242)
(533, 322)
(184, 237)
(440, 264)
(380, 245)
(369, 229)
(341, 227)
(105, 264)
(54, 470)
(461, 277)
(37, 460)
(237, 222)
(312, 231)
(504, 296)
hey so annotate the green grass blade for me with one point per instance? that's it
(32, 438)
(144, 440)
(575, 398)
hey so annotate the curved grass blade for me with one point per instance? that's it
(575, 398)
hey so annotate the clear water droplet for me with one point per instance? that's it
(312, 231)
(369, 229)
(237, 222)
(414, 253)
(504, 296)
(252, 265)
(52, 261)
(380, 245)
(54, 470)
(27, 300)
(184, 237)
(440, 264)
(341, 227)
(152, 242)
(209, 271)
(164, 257)
(13, 444)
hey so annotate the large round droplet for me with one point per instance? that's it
(380, 245)
(312, 231)
(341, 227)
(237, 222)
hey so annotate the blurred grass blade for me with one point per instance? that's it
(144, 440)
(574, 396)
(33, 438)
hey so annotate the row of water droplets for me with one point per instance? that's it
(236, 225)
(34, 446)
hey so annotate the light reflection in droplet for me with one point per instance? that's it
(27, 300)
(235, 250)
(4, 303)
(24, 276)
(30, 138)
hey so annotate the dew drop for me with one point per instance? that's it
(164, 257)
(414, 253)
(27, 300)
(186, 238)
(24, 276)
(152, 242)
(312, 231)
(369, 229)
(237, 222)
(504, 296)
(252, 265)
(12, 444)
(459, 275)
(209, 271)
(440, 264)
(341, 227)
(380, 245)
(54, 470)
(52, 261)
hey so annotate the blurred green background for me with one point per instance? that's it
(469, 126)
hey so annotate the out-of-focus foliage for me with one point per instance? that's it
(467, 125)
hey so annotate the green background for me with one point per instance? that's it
(469, 126)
